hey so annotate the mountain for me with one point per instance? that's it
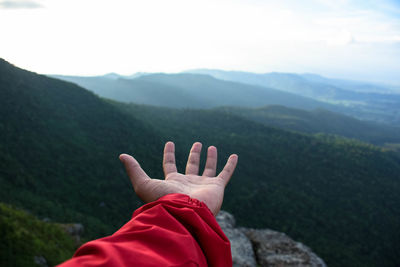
(320, 121)
(195, 89)
(190, 91)
(350, 85)
(58, 159)
(309, 84)
(112, 76)
(202, 91)
(59, 147)
(363, 100)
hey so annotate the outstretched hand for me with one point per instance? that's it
(207, 188)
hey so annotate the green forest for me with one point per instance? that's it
(24, 237)
(59, 147)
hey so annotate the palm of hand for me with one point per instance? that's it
(207, 188)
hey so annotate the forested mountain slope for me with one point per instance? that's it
(58, 153)
(320, 121)
(59, 147)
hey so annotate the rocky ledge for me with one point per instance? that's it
(265, 247)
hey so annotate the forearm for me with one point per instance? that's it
(172, 231)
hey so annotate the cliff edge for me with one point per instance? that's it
(265, 247)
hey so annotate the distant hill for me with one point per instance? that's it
(58, 159)
(202, 91)
(350, 85)
(363, 100)
(308, 84)
(320, 121)
(190, 91)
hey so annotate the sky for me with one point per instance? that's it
(351, 39)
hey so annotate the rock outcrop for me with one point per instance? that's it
(241, 247)
(265, 247)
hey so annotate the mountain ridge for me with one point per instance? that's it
(319, 121)
(367, 104)
(199, 91)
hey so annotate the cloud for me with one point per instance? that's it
(16, 4)
(340, 38)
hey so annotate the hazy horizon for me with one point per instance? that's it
(346, 39)
(196, 69)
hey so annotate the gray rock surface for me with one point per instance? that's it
(241, 247)
(264, 247)
(277, 249)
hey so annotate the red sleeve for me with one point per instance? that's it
(172, 231)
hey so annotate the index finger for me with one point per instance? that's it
(229, 168)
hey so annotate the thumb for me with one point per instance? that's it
(136, 174)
